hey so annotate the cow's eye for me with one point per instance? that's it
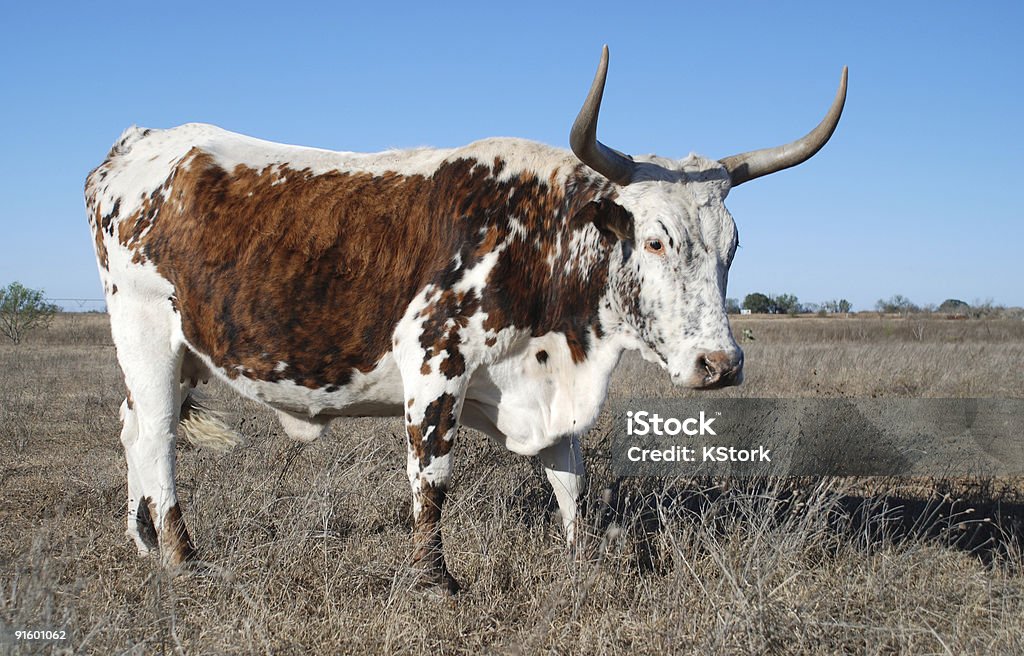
(655, 246)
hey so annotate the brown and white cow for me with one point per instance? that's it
(494, 285)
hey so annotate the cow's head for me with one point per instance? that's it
(678, 241)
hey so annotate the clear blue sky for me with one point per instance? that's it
(916, 193)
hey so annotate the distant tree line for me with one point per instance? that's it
(760, 303)
(953, 307)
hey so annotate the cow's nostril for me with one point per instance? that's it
(718, 368)
(709, 367)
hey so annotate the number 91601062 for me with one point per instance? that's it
(37, 634)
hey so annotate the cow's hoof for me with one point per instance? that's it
(144, 551)
(441, 584)
(194, 567)
(178, 555)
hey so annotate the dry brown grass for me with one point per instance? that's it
(305, 546)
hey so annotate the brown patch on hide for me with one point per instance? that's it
(131, 230)
(100, 245)
(454, 365)
(525, 292)
(415, 436)
(106, 221)
(489, 242)
(175, 544)
(440, 415)
(441, 330)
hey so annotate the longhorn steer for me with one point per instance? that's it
(494, 285)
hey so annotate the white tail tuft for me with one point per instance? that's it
(204, 428)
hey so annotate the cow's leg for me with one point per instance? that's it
(563, 464)
(140, 528)
(151, 361)
(431, 422)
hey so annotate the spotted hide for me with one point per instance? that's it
(494, 285)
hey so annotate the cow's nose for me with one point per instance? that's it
(720, 368)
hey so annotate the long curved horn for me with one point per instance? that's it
(756, 163)
(583, 138)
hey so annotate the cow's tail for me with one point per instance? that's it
(206, 428)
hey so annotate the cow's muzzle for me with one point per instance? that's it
(717, 369)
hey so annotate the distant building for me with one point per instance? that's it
(745, 311)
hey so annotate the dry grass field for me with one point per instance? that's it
(305, 547)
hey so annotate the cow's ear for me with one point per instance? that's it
(612, 219)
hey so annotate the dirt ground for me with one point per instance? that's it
(304, 547)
